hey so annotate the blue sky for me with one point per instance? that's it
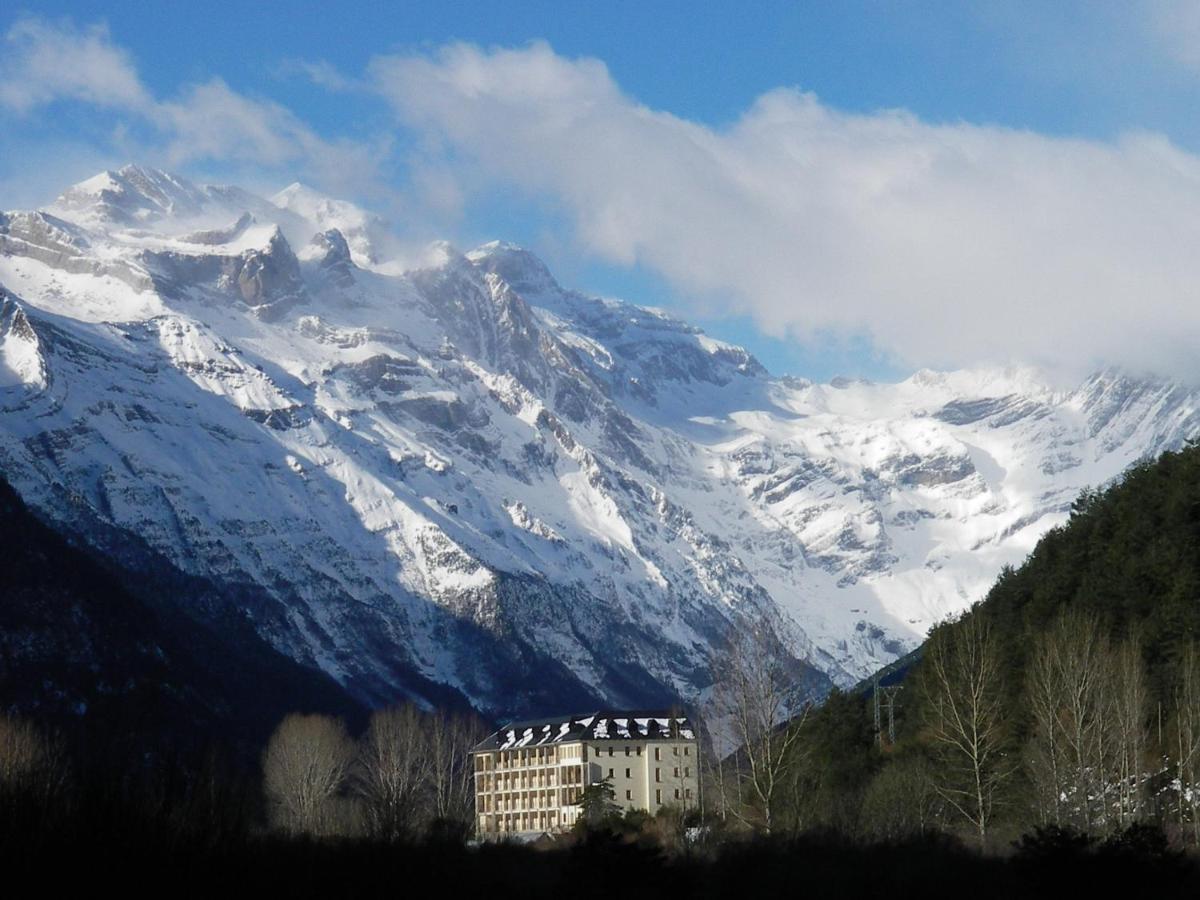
(1026, 82)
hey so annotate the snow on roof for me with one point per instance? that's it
(598, 726)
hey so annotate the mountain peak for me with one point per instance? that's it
(333, 242)
(521, 268)
(135, 171)
(362, 230)
(312, 204)
(21, 361)
(494, 247)
(296, 190)
(132, 195)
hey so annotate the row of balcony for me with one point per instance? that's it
(548, 801)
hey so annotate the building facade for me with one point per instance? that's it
(530, 776)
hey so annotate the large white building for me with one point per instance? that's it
(530, 776)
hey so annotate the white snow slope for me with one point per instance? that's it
(467, 476)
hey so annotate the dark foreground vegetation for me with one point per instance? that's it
(207, 826)
(206, 840)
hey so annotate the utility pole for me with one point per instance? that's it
(890, 693)
(885, 695)
(879, 724)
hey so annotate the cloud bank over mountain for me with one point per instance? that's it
(943, 243)
(946, 243)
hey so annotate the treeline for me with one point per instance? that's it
(1077, 741)
(408, 776)
(327, 816)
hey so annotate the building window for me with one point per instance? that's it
(639, 751)
(658, 797)
(688, 793)
(626, 751)
(675, 751)
(687, 751)
(611, 750)
(658, 774)
(687, 771)
(658, 753)
(677, 771)
(629, 795)
(628, 773)
(676, 793)
(610, 773)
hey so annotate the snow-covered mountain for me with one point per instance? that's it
(467, 475)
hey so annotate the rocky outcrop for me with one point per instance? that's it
(266, 280)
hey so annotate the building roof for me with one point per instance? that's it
(604, 725)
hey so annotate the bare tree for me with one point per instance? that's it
(755, 693)
(1080, 651)
(1046, 750)
(393, 773)
(23, 752)
(452, 736)
(1187, 737)
(716, 771)
(1131, 702)
(901, 800)
(964, 713)
(305, 767)
(806, 795)
(33, 773)
(1088, 702)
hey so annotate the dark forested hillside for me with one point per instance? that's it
(148, 655)
(1068, 698)
(1129, 555)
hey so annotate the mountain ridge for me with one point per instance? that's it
(468, 471)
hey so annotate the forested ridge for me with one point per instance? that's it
(1067, 699)
(1129, 555)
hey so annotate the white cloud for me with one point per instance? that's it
(43, 62)
(947, 243)
(48, 62)
(321, 73)
(212, 121)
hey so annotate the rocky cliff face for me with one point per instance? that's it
(466, 475)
